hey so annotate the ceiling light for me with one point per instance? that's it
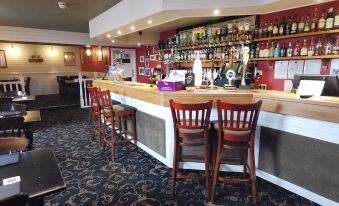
(113, 41)
(132, 27)
(149, 22)
(62, 4)
(108, 35)
(139, 44)
(119, 32)
(216, 12)
(88, 46)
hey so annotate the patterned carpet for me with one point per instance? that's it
(135, 178)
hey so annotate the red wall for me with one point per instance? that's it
(91, 63)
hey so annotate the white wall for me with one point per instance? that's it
(43, 75)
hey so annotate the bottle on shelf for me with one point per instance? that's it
(283, 50)
(266, 29)
(336, 20)
(310, 51)
(266, 52)
(314, 20)
(330, 19)
(296, 50)
(275, 30)
(277, 51)
(271, 52)
(307, 26)
(289, 26)
(294, 26)
(303, 50)
(289, 50)
(318, 48)
(252, 51)
(301, 25)
(322, 21)
(328, 46)
(282, 28)
(270, 29)
(335, 48)
(260, 30)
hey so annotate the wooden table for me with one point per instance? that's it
(39, 173)
(19, 99)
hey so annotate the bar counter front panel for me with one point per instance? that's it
(295, 138)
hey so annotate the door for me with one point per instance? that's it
(128, 61)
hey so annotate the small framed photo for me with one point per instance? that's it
(147, 71)
(142, 59)
(100, 54)
(3, 62)
(141, 70)
(153, 57)
(69, 58)
(147, 62)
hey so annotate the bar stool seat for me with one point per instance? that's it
(114, 102)
(232, 132)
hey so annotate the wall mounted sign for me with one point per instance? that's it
(3, 62)
(69, 59)
(35, 58)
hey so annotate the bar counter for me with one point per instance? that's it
(296, 143)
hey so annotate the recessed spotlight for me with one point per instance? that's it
(216, 12)
(139, 44)
(108, 35)
(113, 41)
(149, 22)
(132, 27)
(88, 46)
(119, 32)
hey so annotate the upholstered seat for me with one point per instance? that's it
(114, 102)
(232, 132)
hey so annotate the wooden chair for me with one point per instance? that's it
(115, 116)
(20, 199)
(13, 143)
(6, 100)
(191, 123)
(11, 126)
(236, 130)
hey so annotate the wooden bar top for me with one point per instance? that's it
(320, 108)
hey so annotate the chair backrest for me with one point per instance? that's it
(190, 116)
(12, 125)
(93, 94)
(6, 100)
(12, 85)
(105, 102)
(13, 143)
(241, 119)
(20, 199)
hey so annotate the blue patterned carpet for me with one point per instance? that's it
(135, 178)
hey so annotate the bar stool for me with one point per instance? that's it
(236, 130)
(95, 111)
(191, 123)
(116, 116)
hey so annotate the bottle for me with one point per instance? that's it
(296, 51)
(260, 30)
(252, 51)
(301, 24)
(271, 52)
(314, 20)
(270, 29)
(307, 26)
(335, 48)
(261, 50)
(289, 50)
(283, 51)
(277, 51)
(328, 47)
(275, 31)
(330, 19)
(257, 51)
(318, 48)
(282, 28)
(303, 51)
(310, 51)
(266, 29)
(294, 26)
(266, 51)
(336, 20)
(322, 21)
(289, 26)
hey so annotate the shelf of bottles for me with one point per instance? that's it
(223, 42)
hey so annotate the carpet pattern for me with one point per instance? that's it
(135, 178)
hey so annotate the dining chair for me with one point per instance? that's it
(12, 126)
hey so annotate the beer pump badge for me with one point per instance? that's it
(245, 54)
(230, 75)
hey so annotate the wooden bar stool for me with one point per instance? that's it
(95, 111)
(191, 123)
(236, 130)
(116, 116)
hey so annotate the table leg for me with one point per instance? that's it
(29, 134)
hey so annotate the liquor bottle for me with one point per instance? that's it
(266, 29)
(223, 33)
(266, 51)
(270, 29)
(307, 26)
(283, 51)
(289, 50)
(252, 51)
(282, 28)
(328, 47)
(289, 26)
(336, 20)
(159, 45)
(314, 20)
(277, 51)
(322, 21)
(303, 51)
(275, 30)
(271, 52)
(260, 30)
(318, 48)
(296, 51)
(294, 26)
(330, 19)
(257, 51)
(310, 51)
(301, 25)
(247, 25)
(335, 48)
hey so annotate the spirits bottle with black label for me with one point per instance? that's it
(330, 19)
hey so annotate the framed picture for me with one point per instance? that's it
(69, 59)
(147, 62)
(100, 54)
(147, 71)
(3, 62)
(153, 57)
(141, 71)
(82, 55)
(142, 59)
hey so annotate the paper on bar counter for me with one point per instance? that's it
(312, 66)
(280, 70)
(295, 67)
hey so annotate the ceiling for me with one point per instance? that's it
(46, 14)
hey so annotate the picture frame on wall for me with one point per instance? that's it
(3, 62)
(147, 71)
(100, 54)
(82, 55)
(153, 57)
(141, 70)
(69, 58)
(147, 63)
(142, 59)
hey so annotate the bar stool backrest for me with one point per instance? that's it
(105, 102)
(93, 95)
(238, 122)
(191, 116)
